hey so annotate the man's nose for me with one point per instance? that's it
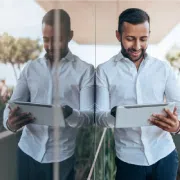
(50, 45)
(137, 45)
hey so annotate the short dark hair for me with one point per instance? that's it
(132, 16)
(64, 18)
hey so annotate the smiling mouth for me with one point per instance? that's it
(135, 53)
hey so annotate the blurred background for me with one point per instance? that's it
(94, 23)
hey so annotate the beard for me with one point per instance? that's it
(50, 54)
(126, 53)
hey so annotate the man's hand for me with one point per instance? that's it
(67, 111)
(17, 119)
(169, 123)
(113, 111)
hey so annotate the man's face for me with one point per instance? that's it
(49, 37)
(134, 40)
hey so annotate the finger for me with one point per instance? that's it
(24, 121)
(170, 114)
(14, 111)
(15, 116)
(175, 110)
(24, 115)
(14, 119)
(176, 114)
(27, 122)
(160, 124)
(9, 108)
(18, 126)
(164, 119)
(163, 128)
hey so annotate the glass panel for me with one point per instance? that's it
(74, 89)
(79, 144)
(107, 89)
(48, 81)
(105, 49)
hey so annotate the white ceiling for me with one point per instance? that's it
(95, 22)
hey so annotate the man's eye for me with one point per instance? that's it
(130, 39)
(144, 39)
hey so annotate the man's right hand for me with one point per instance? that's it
(17, 119)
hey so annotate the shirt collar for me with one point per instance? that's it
(69, 56)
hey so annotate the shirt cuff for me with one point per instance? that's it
(178, 130)
(8, 127)
(72, 120)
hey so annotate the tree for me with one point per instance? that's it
(173, 56)
(17, 51)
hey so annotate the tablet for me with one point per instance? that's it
(138, 115)
(44, 114)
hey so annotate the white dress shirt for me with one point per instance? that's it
(119, 83)
(76, 89)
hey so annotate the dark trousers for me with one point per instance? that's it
(164, 169)
(29, 169)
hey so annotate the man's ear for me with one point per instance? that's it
(71, 34)
(118, 36)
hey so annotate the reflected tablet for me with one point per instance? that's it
(45, 114)
(138, 115)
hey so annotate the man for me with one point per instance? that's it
(59, 77)
(134, 77)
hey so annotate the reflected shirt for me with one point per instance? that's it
(119, 83)
(75, 81)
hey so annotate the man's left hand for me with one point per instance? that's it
(169, 123)
(67, 111)
(113, 111)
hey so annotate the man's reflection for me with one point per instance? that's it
(37, 84)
